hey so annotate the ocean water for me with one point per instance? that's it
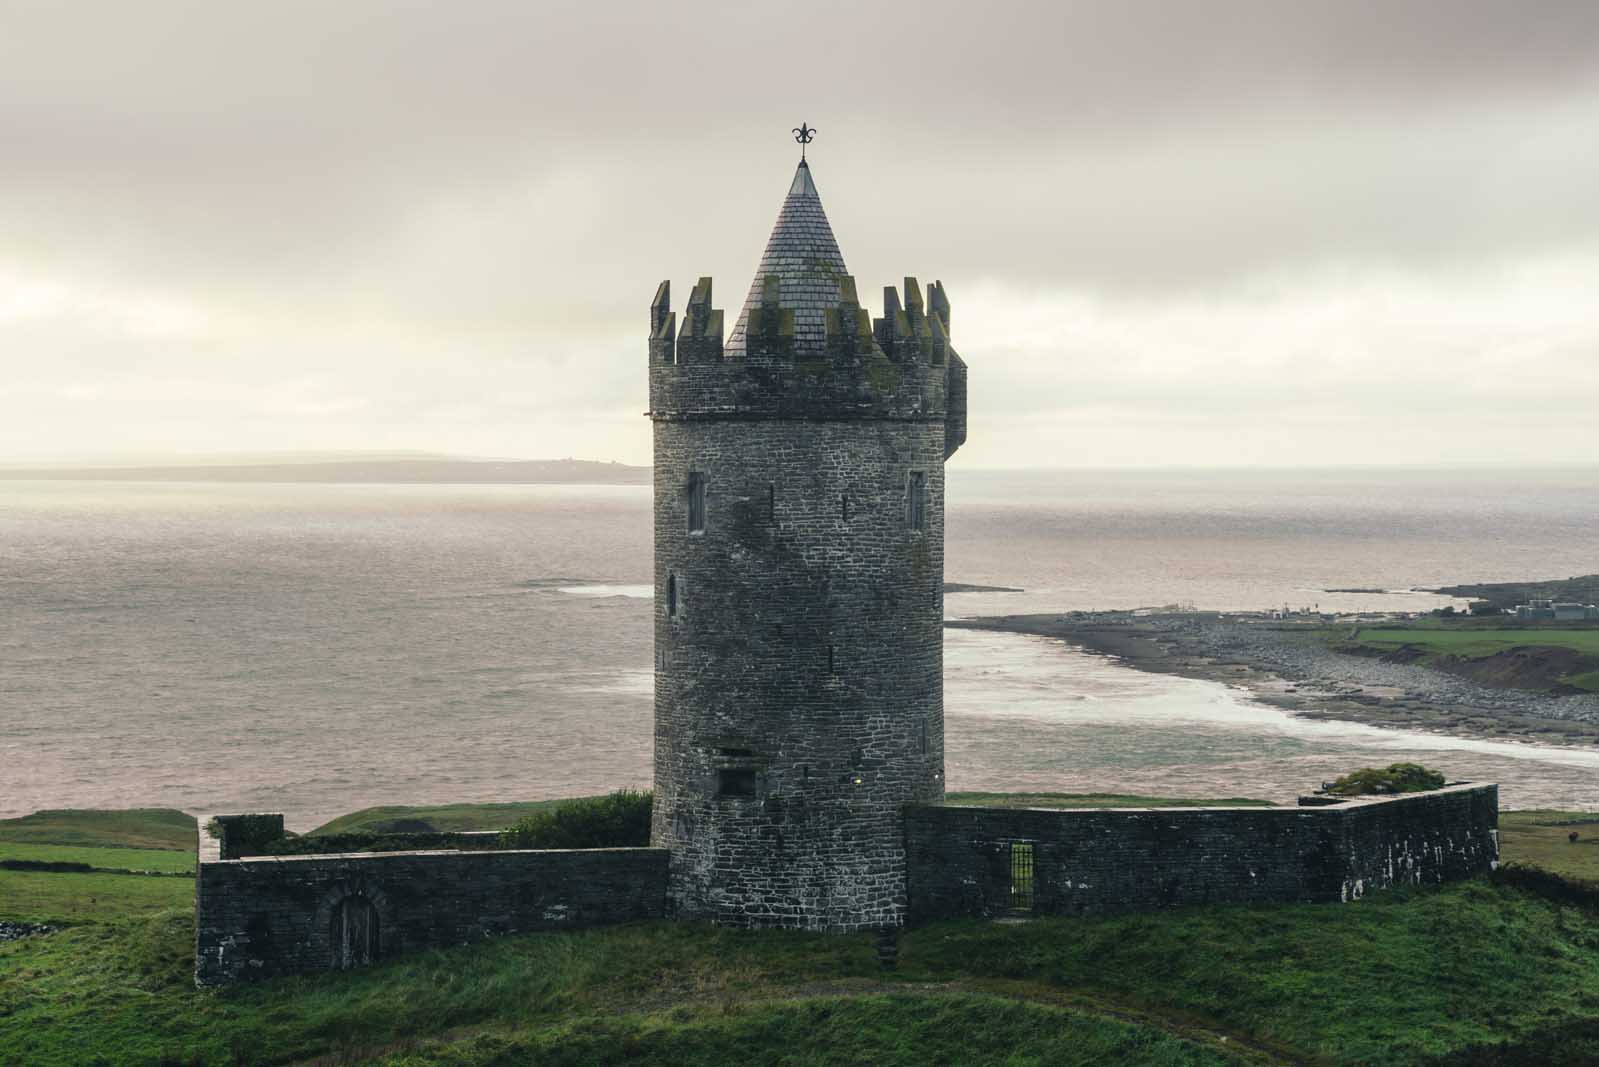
(314, 649)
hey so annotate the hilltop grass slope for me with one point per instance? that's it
(1475, 973)
(1506, 595)
(440, 818)
(152, 828)
(1544, 660)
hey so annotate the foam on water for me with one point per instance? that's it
(1091, 720)
(634, 592)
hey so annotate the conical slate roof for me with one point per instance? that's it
(803, 253)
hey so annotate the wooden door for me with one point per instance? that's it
(355, 932)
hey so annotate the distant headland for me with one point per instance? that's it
(352, 468)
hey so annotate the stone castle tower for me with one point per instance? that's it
(799, 564)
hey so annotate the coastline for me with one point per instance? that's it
(1286, 667)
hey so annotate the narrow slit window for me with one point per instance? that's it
(736, 782)
(696, 502)
(671, 596)
(924, 738)
(771, 503)
(832, 661)
(917, 503)
(843, 508)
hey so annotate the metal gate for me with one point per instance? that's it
(1021, 876)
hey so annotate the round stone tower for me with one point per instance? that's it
(799, 565)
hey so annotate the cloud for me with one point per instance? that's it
(396, 225)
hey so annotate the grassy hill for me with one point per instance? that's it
(1476, 973)
(399, 819)
(1582, 589)
(1523, 657)
(154, 828)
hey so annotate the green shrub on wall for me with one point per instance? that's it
(616, 820)
(245, 835)
(1394, 778)
(364, 841)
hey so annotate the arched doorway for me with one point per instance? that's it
(354, 932)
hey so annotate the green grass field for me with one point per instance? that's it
(50, 897)
(110, 859)
(1475, 973)
(1467, 648)
(1542, 839)
(154, 828)
(1476, 643)
(443, 818)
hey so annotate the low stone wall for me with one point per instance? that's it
(962, 859)
(264, 916)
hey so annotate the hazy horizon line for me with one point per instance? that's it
(313, 457)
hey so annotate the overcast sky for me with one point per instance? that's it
(1221, 233)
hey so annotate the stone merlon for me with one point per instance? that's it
(803, 347)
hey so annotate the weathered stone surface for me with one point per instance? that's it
(798, 634)
(1102, 860)
(259, 917)
(806, 646)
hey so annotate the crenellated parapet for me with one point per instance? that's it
(898, 366)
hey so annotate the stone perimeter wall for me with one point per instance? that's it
(1103, 860)
(258, 917)
(264, 916)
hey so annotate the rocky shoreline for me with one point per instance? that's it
(1289, 666)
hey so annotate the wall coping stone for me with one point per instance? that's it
(1319, 808)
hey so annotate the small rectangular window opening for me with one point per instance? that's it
(924, 739)
(696, 502)
(831, 660)
(918, 500)
(1021, 875)
(843, 507)
(671, 596)
(735, 782)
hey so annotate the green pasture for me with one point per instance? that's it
(1475, 973)
(166, 861)
(440, 817)
(1475, 643)
(150, 828)
(1543, 839)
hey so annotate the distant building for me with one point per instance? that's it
(1564, 612)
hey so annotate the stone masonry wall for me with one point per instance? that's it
(798, 642)
(260, 917)
(1102, 860)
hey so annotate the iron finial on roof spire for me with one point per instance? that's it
(803, 134)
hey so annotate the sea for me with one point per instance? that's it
(314, 649)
